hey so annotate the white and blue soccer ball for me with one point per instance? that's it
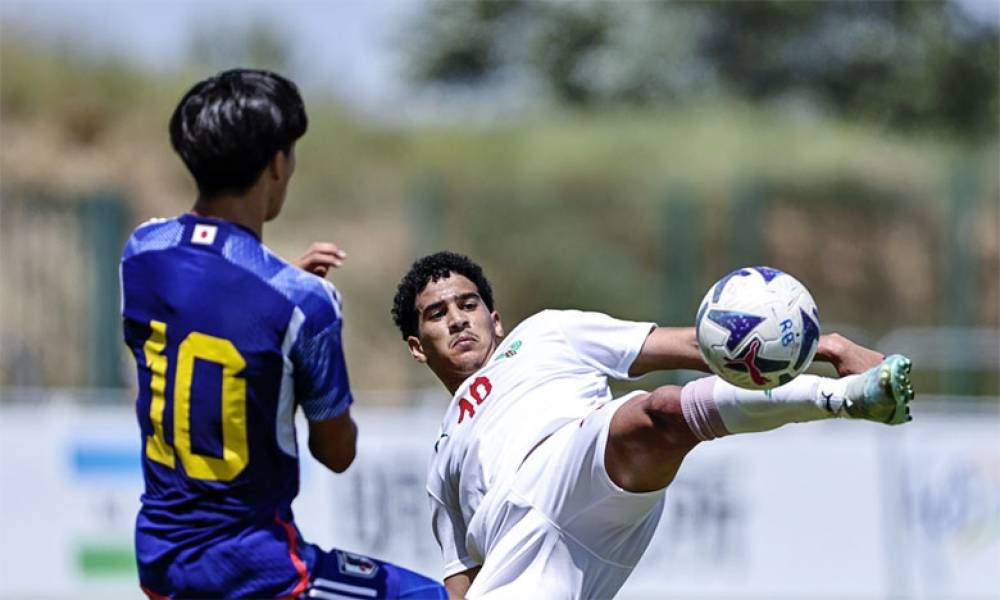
(758, 328)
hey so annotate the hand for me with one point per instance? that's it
(846, 357)
(320, 258)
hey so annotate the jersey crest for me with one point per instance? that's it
(510, 352)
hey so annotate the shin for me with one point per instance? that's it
(714, 408)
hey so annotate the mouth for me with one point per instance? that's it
(463, 339)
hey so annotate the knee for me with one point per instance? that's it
(666, 418)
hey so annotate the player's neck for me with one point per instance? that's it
(247, 209)
(453, 380)
(452, 383)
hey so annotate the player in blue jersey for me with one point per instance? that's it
(229, 340)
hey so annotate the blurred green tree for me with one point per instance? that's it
(906, 64)
(257, 44)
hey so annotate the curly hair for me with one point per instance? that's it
(432, 268)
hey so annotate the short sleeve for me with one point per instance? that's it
(449, 531)
(605, 343)
(322, 387)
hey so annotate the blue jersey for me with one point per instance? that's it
(228, 340)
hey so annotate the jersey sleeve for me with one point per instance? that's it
(607, 344)
(449, 528)
(322, 387)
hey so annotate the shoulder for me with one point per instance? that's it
(154, 234)
(560, 319)
(318, 299)
(542, 320)
(560, 315)
(551, 324)
(589, 328)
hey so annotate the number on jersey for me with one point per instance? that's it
(235, 450)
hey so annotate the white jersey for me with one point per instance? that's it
(551, 370)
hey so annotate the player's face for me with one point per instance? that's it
(457, 332)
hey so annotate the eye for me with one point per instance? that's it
(470, 304)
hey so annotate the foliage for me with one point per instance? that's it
(564, 208)
(907, 64)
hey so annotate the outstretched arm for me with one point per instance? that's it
(668, 348)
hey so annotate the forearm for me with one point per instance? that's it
(334, 442)
(829, 348)
(846, 356)
(668, 348)
(458, 584)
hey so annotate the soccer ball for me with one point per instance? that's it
(758, 328)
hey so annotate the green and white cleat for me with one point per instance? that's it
(882, 393)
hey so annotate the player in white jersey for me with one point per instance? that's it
(542, 484)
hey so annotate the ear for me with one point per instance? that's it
(497, 324)
(280, 165)
(416, 349)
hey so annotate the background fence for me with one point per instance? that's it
(871, 260)
(60, 323)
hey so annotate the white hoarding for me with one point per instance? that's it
(831, 509)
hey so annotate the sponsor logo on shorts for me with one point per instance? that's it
(356, 565)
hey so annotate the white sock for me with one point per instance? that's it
(714, 408)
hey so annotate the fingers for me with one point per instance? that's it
(321, 257)
(325, 258)
(327, 248)
(326, 252)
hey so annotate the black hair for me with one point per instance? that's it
(229, 126)
(432, 268)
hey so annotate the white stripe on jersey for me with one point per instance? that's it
(285, 420)
(343, 587)
(334, 295)
(314, 593)
(121, 290)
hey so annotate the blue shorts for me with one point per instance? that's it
(272, 561)
(340, 575)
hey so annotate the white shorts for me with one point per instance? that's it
(561, 528)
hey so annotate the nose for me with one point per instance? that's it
(457, 321)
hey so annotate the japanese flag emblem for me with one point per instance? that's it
(204, 234)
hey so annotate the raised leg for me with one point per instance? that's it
(648, 440)
(652, 433)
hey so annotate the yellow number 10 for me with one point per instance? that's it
(235, 452)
